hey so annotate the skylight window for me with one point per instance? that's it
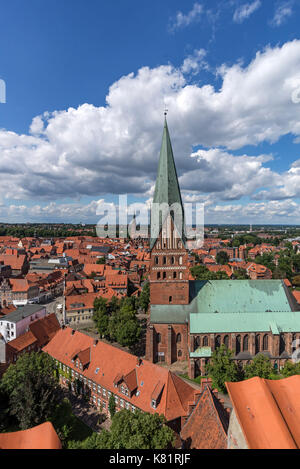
(97, 370)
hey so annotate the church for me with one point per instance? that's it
(190, 319)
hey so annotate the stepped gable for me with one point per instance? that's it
(207, 426)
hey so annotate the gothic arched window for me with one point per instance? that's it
(218, 341)
(238, 344)
(178, 338)
(245, 343)
(226, 341)
(265, 342)
(205, 341)
(158, 338)
(257, 343)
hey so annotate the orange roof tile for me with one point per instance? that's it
(41, 437)
(268, 411)
(112, 361)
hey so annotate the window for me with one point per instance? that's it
(205, 341)
(174, 275)
(156, 260)
(245, 343)
(226, 341)
(265, 342)
(179, 353)
(238, 344)
(218, 341)
(104, 392)
(170, 299)
(158, 338)
(153, 403)
(158, 275)
(178, 338)
(99, 390)
(172, 260)
(180, 260)
(164, 260)
(164, 275)
(257, 343)
(121, 403)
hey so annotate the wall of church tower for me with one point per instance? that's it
(169, 272)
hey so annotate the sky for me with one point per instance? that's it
(83, 89)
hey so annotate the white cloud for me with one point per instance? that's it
(244, 11)
(282, 12)
(182, 20)
(92, 151)
(195, 62)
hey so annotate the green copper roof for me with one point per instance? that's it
(166, 188)
(245, 322)
(169, 314)
(241, 296)
(232, 305)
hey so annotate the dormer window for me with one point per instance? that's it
(153, 403)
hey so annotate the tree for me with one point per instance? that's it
(200, 272)
(222, 368)
(222, 258)
(32, 389)
(137, 431)
(144, 299)
(128, 330)
(261, 366)
(112, 406)
(240, 274)
(101, 261)
(101, 316)
(290, 369)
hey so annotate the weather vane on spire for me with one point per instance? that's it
(166, 111)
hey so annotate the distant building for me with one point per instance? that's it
(16, 323)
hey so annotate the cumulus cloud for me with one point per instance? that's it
(244, 11)
(182, 20)
(92, 151)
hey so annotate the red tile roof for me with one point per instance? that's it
(206, 427)
(268, 411)
(41, 437)
(111, 361)
(44, 329)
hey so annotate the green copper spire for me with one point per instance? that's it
(167, 189)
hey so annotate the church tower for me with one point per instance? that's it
(169, 274)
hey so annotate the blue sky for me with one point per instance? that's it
(86, 85)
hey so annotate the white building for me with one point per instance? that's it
(14, 324)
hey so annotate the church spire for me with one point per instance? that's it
(167, 189)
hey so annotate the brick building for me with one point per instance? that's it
(99, 370)
(190, 319)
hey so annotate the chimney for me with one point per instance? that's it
(95, 342)
(72, 332)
